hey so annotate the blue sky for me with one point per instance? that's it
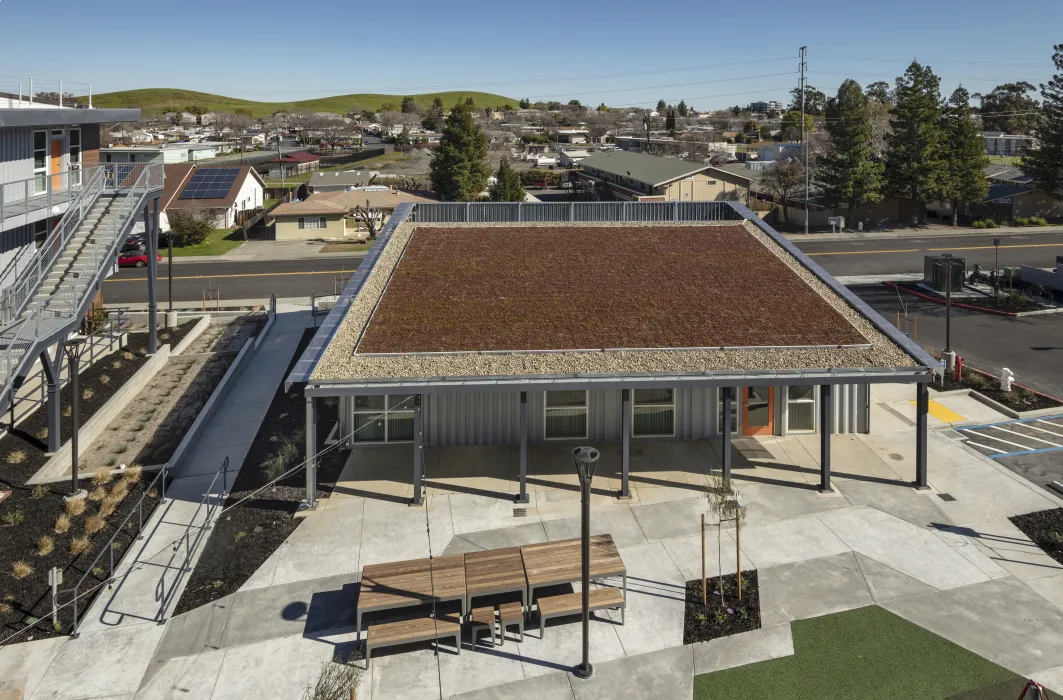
(707, 52)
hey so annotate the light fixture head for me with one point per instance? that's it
(585, 459)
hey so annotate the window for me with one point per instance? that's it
(75, 156)
(306, 222)
(40, 161)
(383, 418)
(566, 414)
(40, 232)
(653, 412)
(800, 408)
(734, 410)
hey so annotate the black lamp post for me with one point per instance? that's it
(74, 347)
(585, 460)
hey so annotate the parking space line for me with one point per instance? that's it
(1028, 437)
(1025, 452)
(1006, 442)
(1047, 422)
(1034, 427)
(985, 447)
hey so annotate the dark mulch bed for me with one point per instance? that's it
(1018, 399)
(1045, 528)
(721, 617)
(1014, 303)
(557, 287)
(29, 598)
(245, 537)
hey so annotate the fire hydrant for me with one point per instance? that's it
(1006, 378)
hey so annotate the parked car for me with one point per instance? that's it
(137, 257)
(566, 185)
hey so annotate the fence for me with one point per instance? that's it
(515, 212)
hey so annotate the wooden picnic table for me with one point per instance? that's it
(413, 582)
(553, 563)
(495, 571)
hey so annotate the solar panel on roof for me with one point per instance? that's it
(210, 183)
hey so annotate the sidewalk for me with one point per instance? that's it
(120, 633)
(257, 251)
(936, 231)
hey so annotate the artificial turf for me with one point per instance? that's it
(868, 653)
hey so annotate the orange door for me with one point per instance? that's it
(758, 410)
(56, 162)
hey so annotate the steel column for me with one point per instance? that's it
(824, 437)
(151, 232)
(726, 436)
(625, 452)
(922, 405)
(522, 497)
(418, 453)
(311, 452)
(52, 372)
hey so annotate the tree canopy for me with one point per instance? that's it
(1045, 163)
(1009, 108)
(507, 187)
(459, 166)
(791, 125)
(914, 153)
(681, 108)
(964, 179)
(815, 100)
(847, 174)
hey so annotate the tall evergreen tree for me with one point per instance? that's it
(914, 164)
(965, 158)
(848, 175)
(1045, 163)
(507, 187)
(459, 168)
(669, 121)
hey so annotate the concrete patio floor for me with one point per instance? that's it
(958, 568)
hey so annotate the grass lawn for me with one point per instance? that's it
(1004, 160)
(868, 653)
(344, 247)
(221, 241)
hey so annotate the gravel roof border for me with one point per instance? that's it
(339, 362)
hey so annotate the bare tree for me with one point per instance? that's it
(785, 180)
(370, 217)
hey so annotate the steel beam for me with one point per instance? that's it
(522, 497)
(922, 405)
(625, 452)
(418, 453)
(726, 436)
(311, 452)
(52, 372)
(151, 233)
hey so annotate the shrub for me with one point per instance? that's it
(117, 364)
(120, 490)
(105, 379)
(336, 681)
(86, 394)
(1038, 221)
(273, 467)
(13, 518)
(128, 355)
(94, 524)
(108, 506)
(75, 507)
(984, 223)
(21, 569)
(5, 606)
(15, 457)
(101, 476)
(62, 524)
(190, 228)
(1022, 221)
(98, 494)
(39, 492)
(80, 545)
(111, 461)
(45, 545)
(41, 434)
(132, 474)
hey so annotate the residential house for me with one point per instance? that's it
(998, 143)
(47, 153)
(642, 177)
(670, 345)
(570, 159)
(158, 153)
(572, 135)
(228, 195)
(778, 151)
(298, 162)
(331, 214)
(339, 181)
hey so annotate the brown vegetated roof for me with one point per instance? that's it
(562, 288)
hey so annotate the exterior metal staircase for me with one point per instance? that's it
(45, 296)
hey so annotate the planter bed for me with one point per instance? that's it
(245, 537)
(1018, 399)
(1014, 305)
(1045, 528)
(702, 623)
(22, 454)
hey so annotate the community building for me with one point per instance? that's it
(463, 333)
(627, 175)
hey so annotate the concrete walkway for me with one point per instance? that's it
(925, 232)
(120, 633)
(253, 251)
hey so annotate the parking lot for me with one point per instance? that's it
(1032, 447)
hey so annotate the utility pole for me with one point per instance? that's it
(280, 157)
(804, 137)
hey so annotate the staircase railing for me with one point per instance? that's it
(17, 293)
(62, 308)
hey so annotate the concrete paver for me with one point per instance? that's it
(183, 677)
(811, 588)
(788, 541)
(667, 674)
(29, 660)
(746, 648)
(1050, 587)
(885, 583)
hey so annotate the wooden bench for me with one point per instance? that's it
(419, 629)
(510, 614)
(572, 604)
(482, 620)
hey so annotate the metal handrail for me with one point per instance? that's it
(160, 481)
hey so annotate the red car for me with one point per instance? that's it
(135, 258)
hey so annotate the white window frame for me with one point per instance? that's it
(586, 414)
(40, 175)
(736, 399)
(74, 155)
(320, 221)
(386, 414)
(815, 412)
(635, 404)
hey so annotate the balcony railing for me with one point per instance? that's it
(28, 93)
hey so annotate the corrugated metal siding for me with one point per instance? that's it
(12, 241)
(487, 418)
(695, 412)
(848, 404)
(16, 154)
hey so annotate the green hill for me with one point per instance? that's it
(153, 100)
